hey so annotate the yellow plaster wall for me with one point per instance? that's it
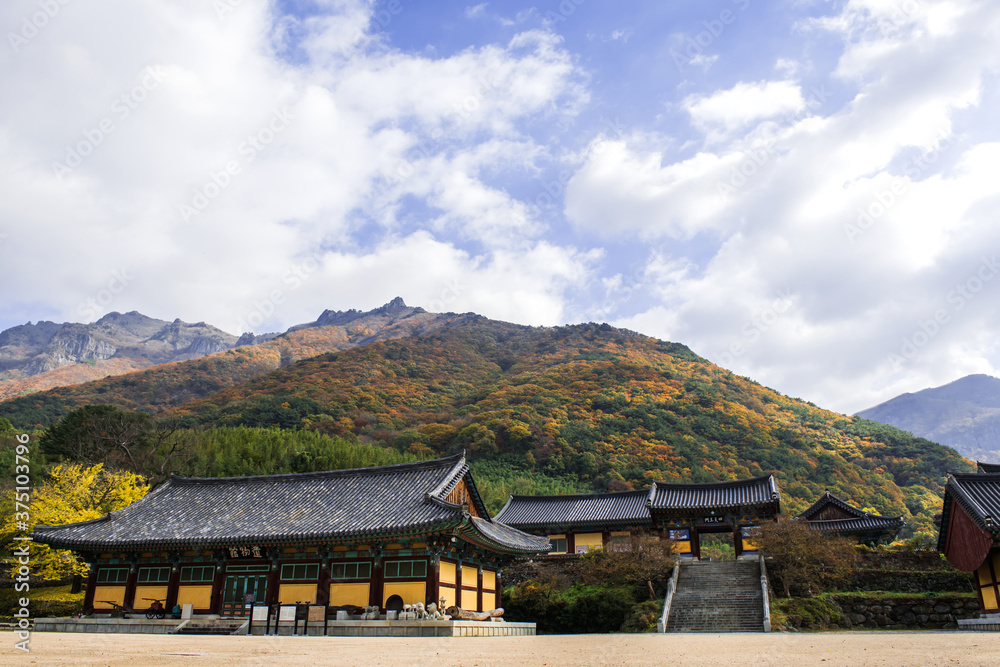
(356, 594)
(143, 592)
(489, 580)
(412, 592)
(292, 593)
(449, 597)
(589, 540)
(986, 583)
(447, 575)
(989, 598)
(489, 601)
(114, 594)
(199, 596)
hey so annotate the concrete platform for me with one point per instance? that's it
(287, 628)
(985, 623)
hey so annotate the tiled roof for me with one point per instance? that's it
(496, 533)
(624, 508)
(990, 468)
(634, 507)
(860, 522)
(979, 496)
(757, 492)
(830, 499)
(865, 524)
(361, 503)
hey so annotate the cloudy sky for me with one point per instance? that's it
(802, 191)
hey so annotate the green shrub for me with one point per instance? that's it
(570, 610)
(813, 613)
(643, 616)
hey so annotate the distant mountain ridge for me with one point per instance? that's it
(33, 349)
(45, 355)
(964, 414)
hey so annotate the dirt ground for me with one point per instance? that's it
(834, 648)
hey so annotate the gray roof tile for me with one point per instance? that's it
(979, 496)
(741, 493)
(624, 508)
(359, 503)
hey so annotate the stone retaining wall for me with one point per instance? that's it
(904, 613)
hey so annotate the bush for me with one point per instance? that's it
(803, 558)
(576, 609)
(642, 564)
(811, 613)
(643, 616)
(54, 601)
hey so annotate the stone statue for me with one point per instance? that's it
(434, 614)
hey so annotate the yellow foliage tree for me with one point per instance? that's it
(73, 493)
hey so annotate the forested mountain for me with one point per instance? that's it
(575, 408)
(964, 414)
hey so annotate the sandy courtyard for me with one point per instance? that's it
(840, 648)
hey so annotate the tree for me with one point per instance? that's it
(803, 557)
(642, 562)
(119, 439)
(72, 493)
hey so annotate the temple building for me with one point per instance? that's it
(990, 468)
(970, 531)
(835, 515)
(383, 536)
(680, 512)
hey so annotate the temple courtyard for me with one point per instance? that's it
(829, 648)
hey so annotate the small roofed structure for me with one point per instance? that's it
(578, 523)
(678, 511)
(970, 531)
(833, 514)
(989, 468)
(416, 531)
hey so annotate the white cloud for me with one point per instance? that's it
(844, 237)
(744, 103)
(268, 139)
(477, 11)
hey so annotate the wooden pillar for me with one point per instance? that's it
(217, 583)
(133, 577)
(323, 592)
(479, 588)
(570, 543)
(499, 586)
(695, 543)
(433, 580)
(737, 539)
(377, 585)
(458, 584)
(172, 586)
(88, 598)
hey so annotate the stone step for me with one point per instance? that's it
(720, 596)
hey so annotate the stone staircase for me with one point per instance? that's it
(717, 596)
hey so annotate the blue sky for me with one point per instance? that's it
(803, 191)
